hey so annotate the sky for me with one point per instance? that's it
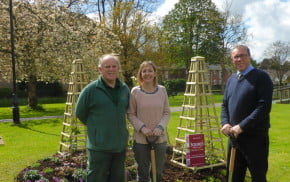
(267, 21)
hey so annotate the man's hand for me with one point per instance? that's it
(226, 129)
(236, 130)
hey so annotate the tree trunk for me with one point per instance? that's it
(32, 96)
(128, 80)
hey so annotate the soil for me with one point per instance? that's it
(59, 167)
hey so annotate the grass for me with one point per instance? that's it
(38, 139)
(279, 157)
(6, 102)
(57, 108)
(176, 101)
(24, 112)
(279, 160)
(25, 144)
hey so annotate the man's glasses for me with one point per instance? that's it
(240, 56)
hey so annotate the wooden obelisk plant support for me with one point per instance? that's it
(199, 116)
(73, 135)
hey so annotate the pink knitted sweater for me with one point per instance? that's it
(151, 109)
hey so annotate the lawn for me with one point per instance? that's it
(25, 144)
(49, 110)
(38, 139)
(57, 109)
(176, 101)
(279, 157)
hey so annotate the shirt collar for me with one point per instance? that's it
(250, 68)
(107, 86)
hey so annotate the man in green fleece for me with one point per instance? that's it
(102, 107)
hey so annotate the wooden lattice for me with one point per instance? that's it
(73, 135)
(199, 117)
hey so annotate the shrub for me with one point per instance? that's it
(174, 86)
(44, 89)
(5, 93)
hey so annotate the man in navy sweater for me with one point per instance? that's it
(245, 116)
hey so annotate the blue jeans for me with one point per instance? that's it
(142, 157)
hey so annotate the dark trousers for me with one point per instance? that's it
(252, 153)
(106, 167)
(142, 157)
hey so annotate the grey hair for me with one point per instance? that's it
(108, 56)
(243, 46)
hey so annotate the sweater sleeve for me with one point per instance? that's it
(225, 118)
(132, 111)
(166, 111)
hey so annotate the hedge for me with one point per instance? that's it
(173, 87)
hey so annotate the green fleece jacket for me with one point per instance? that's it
(104, 118)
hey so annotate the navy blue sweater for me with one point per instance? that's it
(247, 101)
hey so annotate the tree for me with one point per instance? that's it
(234, 31)
(48, 38)
(127, 19)
(51, 34)
(136, 35)
(193, 27)
(278, 59)
(5, 63)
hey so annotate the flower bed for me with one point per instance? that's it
(66, 168)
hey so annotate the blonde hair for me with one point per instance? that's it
(139, 75)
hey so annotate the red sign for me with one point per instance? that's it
(195, 156)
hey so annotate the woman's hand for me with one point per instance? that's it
(146, 131)
(157, 131)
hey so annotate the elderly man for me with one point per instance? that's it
(102, 107)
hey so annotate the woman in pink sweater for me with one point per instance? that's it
(149, 114)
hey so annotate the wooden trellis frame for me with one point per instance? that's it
(199, 116)
(73, 135)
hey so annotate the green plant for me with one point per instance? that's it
(223, 172)
(211, 179)
(174, 86)
(34, 176)
(55, 160)
(35, 164)
(48, 170)
(5, 93)
(79, 174)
